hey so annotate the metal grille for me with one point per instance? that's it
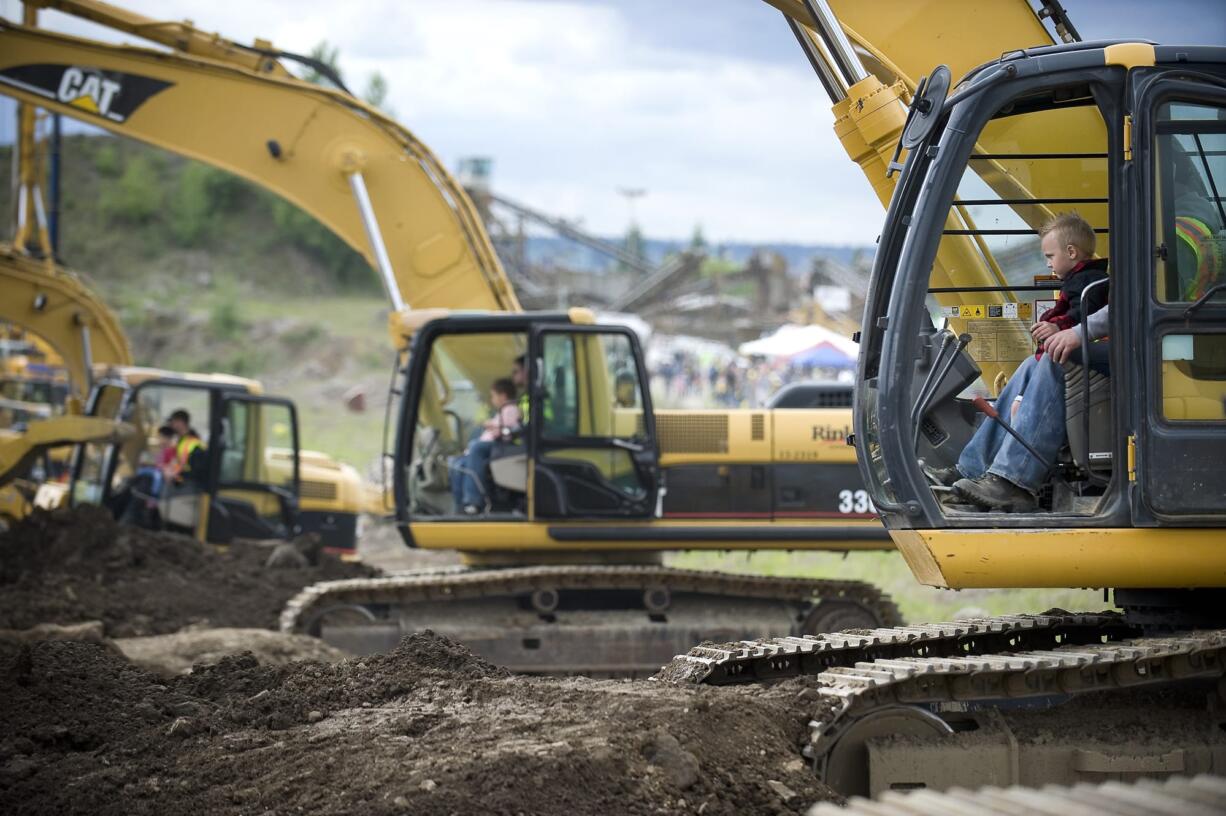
(311, 489)
(757, 427)
(703, 433)
(833, 399)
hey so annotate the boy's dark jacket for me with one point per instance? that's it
(1071, 307)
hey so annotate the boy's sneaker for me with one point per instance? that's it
(471, 509)
(940, 476)
(996, 493)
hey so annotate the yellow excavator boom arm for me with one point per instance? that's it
(56, 306)
(330, 154)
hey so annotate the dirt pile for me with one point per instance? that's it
(73, 565)
(426, 729)
(178, 653)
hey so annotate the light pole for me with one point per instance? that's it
(634, 236)
(631, 194)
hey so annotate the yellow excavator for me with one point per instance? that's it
(1132, 135)
(52, 309)
(54, 306)
(572, 572)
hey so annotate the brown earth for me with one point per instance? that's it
(427, 729)
(72, 565)
(178, 653)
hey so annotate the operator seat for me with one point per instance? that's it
(1092, 452)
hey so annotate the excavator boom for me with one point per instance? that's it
(332, 155)
(55, 305)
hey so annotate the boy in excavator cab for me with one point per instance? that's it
(470, 485)
(995, 470)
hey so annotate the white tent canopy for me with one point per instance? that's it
(792, 339)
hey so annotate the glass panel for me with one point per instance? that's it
(259, 448)
(472, 401)
(1190, 177)
(234, 458)
(612, 467)
(276, 466)
(95, 458)
(591, 391)
(560, 393)
(259, 444)
(1054, 157)
(1041, 156)
(592, 386)
(1194, 377)
(183, 455)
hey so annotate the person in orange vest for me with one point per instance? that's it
(188, 461)
(1201, 256)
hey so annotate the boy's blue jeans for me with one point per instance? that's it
(466, 470)
(1039, 420)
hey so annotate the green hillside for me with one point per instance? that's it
(210, 273)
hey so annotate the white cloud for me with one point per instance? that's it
(572, 102)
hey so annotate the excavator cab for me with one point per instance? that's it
(1133, 137)
(579, 445)
(238, 484)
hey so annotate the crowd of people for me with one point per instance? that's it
(686, 380)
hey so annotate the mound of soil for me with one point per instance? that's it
(72, 565)
(426, 729)
(178, 653)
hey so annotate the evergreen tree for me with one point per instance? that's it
(698, 241)
(634, 245)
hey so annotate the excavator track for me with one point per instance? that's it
(607, 621)
(888, 701)
(1202, 795)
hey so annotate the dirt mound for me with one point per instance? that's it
(176, 654)
(78, 564)
(426, 729)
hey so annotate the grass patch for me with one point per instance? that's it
(888, 572)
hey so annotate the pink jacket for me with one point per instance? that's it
(508, 417)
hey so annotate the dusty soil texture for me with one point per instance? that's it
(426, 729)
(73, 565)
(176, 654)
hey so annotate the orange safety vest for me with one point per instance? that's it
(1210, 263)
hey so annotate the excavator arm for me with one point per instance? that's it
(18, 451)
(332, 155)
(872, 58)
(178, 36)
(53, 304)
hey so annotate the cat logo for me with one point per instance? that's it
(92, 92)
(110, 95)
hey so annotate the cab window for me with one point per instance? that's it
(1190, 179)
(465, 376)
(591, 386)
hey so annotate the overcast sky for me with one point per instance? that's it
(708, 105)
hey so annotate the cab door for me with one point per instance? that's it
(94, 462)
(1182, 440)
(254, 485)
(590, 426)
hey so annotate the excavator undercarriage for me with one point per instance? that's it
(594, 620)
(1030, 700)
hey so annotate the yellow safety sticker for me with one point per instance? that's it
(989, 311)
